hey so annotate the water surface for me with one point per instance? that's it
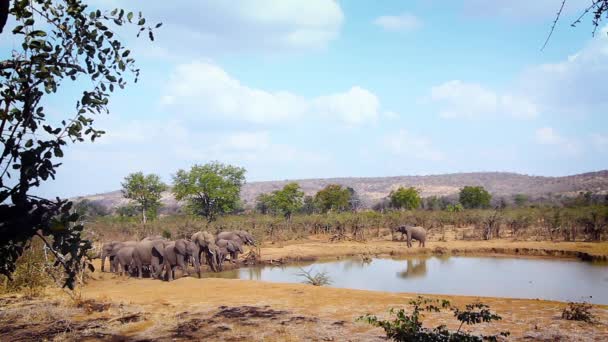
(563, 280)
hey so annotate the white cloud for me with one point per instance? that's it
(391, 115)
(574, 86)
(548, 136)
(356, 106)
(207, 91)
(405, 144)
(471, 100)
(192, 27)
(403, 22)
(524, 9)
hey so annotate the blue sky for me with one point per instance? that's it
(322, 88)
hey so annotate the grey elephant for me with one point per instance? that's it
(115, 248)
(149, 253)
(123, 261)
(415, 233)
(228, 247)
(106, 249)
(206, 243)
(239, 235)
(177, 253)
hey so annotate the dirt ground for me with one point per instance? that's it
(118, 308)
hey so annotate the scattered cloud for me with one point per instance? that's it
(581, 76)
(206, 91)
(524, 9)
(459, 99)
(405, 144)
(548, 136)
(354, 107)
(192, 27)
(403, 23)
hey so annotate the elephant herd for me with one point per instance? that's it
(161, 257)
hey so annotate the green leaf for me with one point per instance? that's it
(130, 16)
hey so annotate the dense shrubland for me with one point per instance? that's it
(588, 223)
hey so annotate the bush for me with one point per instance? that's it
(318, 279)
(410, 327)
(579, 312)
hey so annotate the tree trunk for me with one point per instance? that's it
(143, 215)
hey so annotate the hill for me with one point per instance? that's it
(373, 189)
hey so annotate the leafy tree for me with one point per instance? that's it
(89, 208)
(60, 40)
(146, 191)
(475, 197)
(454, 208)
(355, 201)
(333, 197)
(432, 203)
(212, 189)
(263, 203)
(287, 200)
(405, 198)
(308, 207)
(520, 200)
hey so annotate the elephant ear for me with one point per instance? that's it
(231, 247)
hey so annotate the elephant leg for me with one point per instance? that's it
(140, 267)
(103, 262)
(181, 262)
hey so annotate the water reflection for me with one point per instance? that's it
(415, 268)
(563, 280)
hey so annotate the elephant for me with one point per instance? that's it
(149, 253)
(106, 250)
(176, 254)
(206, 244)
(228, 247)
(123, 260)
(241, 235)
(416, 233)
(153, 238)
(115, 248)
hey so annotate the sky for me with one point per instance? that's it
(323, 88)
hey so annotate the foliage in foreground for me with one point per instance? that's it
(579, 312)
(317, 279)
(55, 41)
(409, 327)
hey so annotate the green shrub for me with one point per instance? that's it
(409, 327)
(579, 312)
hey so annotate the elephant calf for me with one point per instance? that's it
(415, 233)
(123, 260)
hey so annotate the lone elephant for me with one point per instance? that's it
(415, 233)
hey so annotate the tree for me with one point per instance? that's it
(520, 200)
(405, 198)
(333, 197)
(308, 207)
(60, 40)
(355, 201)
(263, 203)
(212, 189)
(474, 197)
(146, 191)
(598, 8)
(287, 200)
